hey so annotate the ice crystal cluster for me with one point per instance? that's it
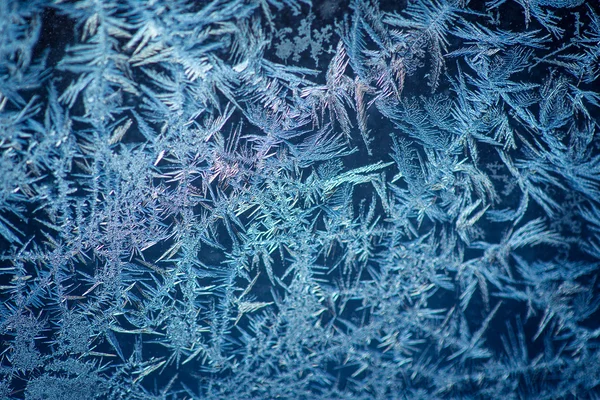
(273, 199)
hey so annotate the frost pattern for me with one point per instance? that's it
(259, 199)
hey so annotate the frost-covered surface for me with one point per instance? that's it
(259, 199)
